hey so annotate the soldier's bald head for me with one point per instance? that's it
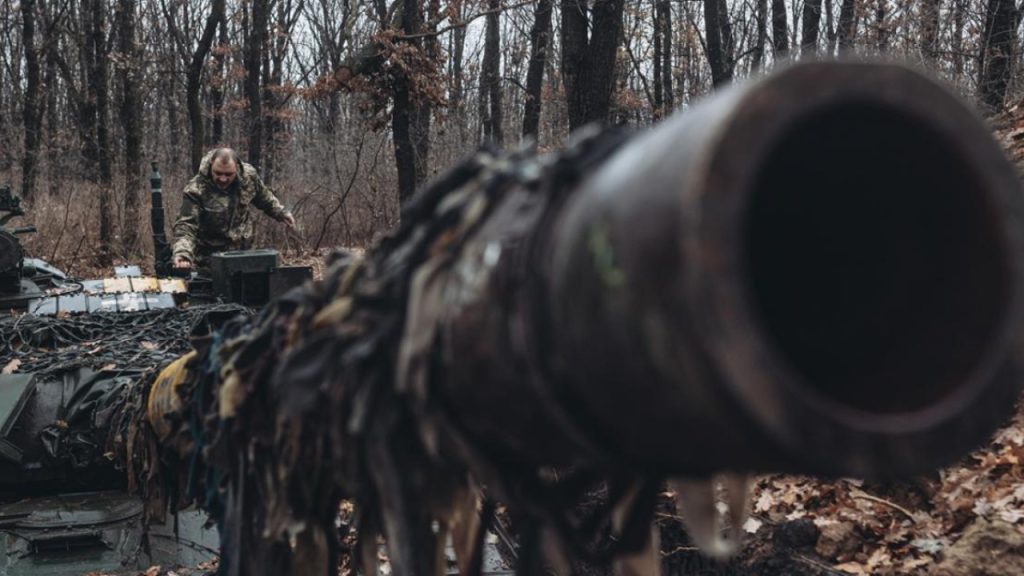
(225, 155)
(224, 163)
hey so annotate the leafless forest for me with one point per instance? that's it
(346, 106)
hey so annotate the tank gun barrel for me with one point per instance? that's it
(818, 272)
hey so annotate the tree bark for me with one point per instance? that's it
(957, 41)
(930, 10)
(99, 88)
(99, 93)
(588, 62)
(666, 54)
(540, 34)
(30, 109)
(881, 32)
(995, 60)
(847, 25)
(456, 96)
(780, 29)
(830, 28)
(131, 124)
(405, 119)
(53, 122)
(422, 112)
(193, 80)
(217, 86)
(811, 24)
(490, 81)
(761, 19)
(720, 69)
(255, 48)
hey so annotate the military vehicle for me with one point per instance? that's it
(816, 272)
(70, 346)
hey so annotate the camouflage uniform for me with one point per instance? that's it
(214, 220)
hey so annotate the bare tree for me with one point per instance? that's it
(847, 25)
(30, 109)
(811, 25)
(957, 40)
(995, 59)
(540, 33)
(131, 123)
(881, 25)
(780, 29)
(193, 79)
(590, 40)
(721, 69)
(255, 48)
(406, 109)
(929, 18)
(490, 80)
(761, 38)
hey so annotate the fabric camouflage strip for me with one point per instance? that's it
(302, 407)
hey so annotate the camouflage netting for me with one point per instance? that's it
(109, 340)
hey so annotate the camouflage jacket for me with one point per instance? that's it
(213, 220)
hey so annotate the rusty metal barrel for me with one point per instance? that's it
(818, 271)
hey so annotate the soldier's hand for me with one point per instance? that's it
(181, 263)
(289, 219)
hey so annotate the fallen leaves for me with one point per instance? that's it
(903, 528)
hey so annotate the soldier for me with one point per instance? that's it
(215, 209)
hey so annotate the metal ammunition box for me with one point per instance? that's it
(243, 276)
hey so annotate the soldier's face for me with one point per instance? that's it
(223, 172)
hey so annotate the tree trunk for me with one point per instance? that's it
(490, 80)
(666, 54)
(659, 104)
(957, 42)
(255, 48)
(881, 33)
(930, 10)
(99, 87)
(540, 34)
(193, 80)
(273, 98)
(422, 112)
(588, 63)
(131, 124)
(457, 95)
(5, 118)
(99, 93)
(847, 25)
(171, 104)
(720, 72)
(761, 18)
(830, 28)
(811, 24)
(53, 123)
(404, 118)
(30, 110)
(995, 59)
(217, 86)
(780, 29)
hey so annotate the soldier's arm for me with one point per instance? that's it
(186, 227)
(266, 201)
